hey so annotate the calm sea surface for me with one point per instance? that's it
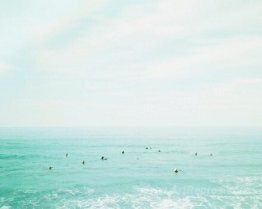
(139, 178)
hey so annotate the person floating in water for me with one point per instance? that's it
(50, 167)
(83, 162)
(196, 154)
(176, 171)
(66, 154)
(211, 154)
(146, 147)
(103, 158)
(123, 152)
(159, 150)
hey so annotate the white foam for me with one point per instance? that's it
(5, 207)
(144, 198)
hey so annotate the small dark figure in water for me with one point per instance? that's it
(196, 154)
(83, 162)
(211, 154)
(50, 167)
(146, 147)
(103, 158)
(66, 154)
(123, 152)
(176, 171)
(159, 150)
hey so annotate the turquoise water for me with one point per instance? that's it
(140, 178)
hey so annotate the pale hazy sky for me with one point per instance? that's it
(130, 62)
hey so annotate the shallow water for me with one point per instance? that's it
(140, 178)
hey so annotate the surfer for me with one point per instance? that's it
(50, 167)
(159, 150)
(196, 154)
(66, 154)
(176, 171)
(123, 152)
(83, 162)
(103, 158)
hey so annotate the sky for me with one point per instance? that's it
(130, 63)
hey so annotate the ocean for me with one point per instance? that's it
(226, 172)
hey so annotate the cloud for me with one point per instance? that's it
(47, 31)
(223, 55)
(5, 67)
(151, 62)
(116, 44)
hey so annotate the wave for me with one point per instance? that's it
(155, 198)
(141, 198)
(5, 207)
(236, 193)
